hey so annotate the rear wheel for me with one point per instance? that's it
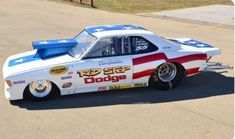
(40, 89)
(167, 76)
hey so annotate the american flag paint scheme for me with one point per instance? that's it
(103, 57)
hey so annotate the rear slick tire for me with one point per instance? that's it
(167, 76)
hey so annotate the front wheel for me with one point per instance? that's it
(167, 76)
(40, 90)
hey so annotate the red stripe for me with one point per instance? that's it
(188, 58)
(142, 73)
(159, 56)
(149, 58)
(162, 56)
(192, 71)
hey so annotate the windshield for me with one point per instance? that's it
(84, 40)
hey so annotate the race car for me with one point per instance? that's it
(103, 58)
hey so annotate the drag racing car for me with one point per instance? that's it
(103, 58)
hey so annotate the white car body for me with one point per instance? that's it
(137, 68)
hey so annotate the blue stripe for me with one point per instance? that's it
(195, 43)
(95, 29)
(24, 59)
(46, 49)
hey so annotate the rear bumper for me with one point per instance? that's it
(215, 66)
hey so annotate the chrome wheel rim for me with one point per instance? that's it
(40, 88)
(167, 72)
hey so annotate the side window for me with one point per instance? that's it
(126, 45)
(111, 46)
(141, 45)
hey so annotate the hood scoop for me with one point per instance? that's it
(51, 48)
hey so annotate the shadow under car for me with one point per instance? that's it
(205, 84)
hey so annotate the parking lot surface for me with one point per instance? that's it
(212, 14)
(200, 107)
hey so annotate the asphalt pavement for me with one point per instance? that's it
(202, 106)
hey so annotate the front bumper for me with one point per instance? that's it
(13, 93)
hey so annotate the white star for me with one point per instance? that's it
(109, 26)
(192, 42)
(63, 41)
(43, 42)
(201, 45)
(98, 29)
(127, 28)
(19, 60)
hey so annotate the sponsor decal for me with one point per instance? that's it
(104, 79)
(70, 72)
(167, 47)
(102, 88)
(140, 84)
(116, 70)
(109, 62)
(19, 82)
(58, 70)
(119, 87)
(141, 45)
(66, 77)
(89, 72)
(67, 85)
(106, 71)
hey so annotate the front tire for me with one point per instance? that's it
(167, 76)
(40, 90)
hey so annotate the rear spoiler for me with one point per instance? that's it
(199, 46)
(206, 48)
(191, 42)
(51, 48)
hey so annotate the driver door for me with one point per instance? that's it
(106, 66)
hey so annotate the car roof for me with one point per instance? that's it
(106, 30)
